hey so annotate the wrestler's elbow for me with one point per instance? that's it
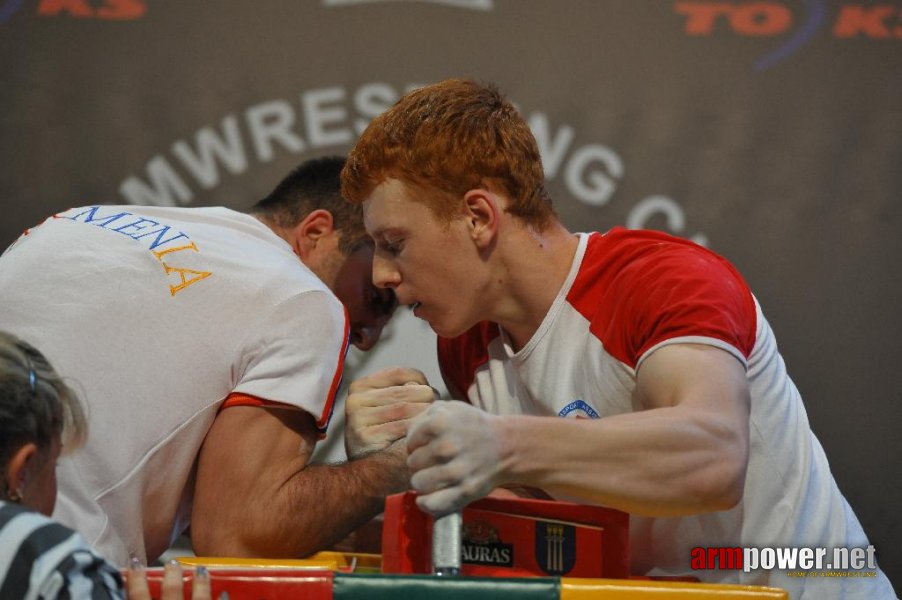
(721, 483)
(212, 538)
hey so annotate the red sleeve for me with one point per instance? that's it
(641, 289)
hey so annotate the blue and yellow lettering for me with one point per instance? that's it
(159, 241)
(135, 229)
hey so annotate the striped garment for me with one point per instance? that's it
(39, 558)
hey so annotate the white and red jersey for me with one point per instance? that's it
(629, 293)
(156, 315)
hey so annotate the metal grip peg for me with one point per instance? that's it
(446, 545)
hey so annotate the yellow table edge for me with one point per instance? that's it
(321, 560)
(572, 588)
(616, 589)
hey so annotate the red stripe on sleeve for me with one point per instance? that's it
(323, 422)
(239, 399)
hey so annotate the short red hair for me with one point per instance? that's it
(452, 137)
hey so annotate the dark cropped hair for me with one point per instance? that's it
(35, 403)
(315, 184)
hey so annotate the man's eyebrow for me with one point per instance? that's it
(383, 231)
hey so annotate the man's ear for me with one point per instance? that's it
(483, 213)
(18, 468)
(310, 231)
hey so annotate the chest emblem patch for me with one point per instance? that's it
(578, 409)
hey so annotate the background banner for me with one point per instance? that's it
(770, 131)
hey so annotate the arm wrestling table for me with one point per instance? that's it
(510, 549)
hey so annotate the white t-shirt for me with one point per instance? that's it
(156, 315)
(629, 293)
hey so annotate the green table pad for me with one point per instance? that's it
(427, 587)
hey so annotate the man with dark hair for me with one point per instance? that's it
(209, 344)
(680, 410)
(314, 185)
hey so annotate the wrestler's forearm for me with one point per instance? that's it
(686, 453)
(331, 501)
(255, 493)
(314, 507)
(656, 463)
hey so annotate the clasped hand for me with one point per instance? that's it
(380, 406)
(456, 455)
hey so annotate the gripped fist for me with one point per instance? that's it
(380, 406)
(456, 456)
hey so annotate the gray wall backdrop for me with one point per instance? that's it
(770, 131)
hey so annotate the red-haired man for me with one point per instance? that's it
(690, 421)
